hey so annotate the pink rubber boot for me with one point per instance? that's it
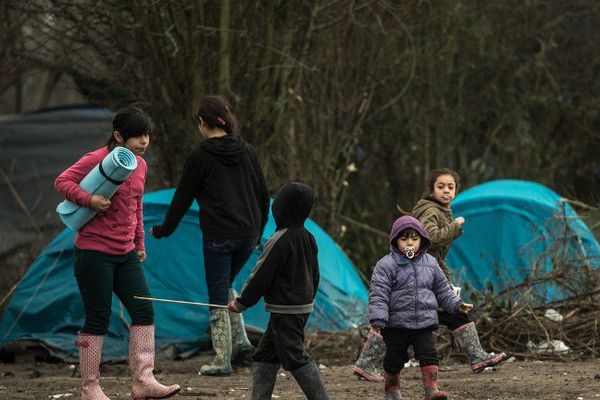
(430, 377)
(90, 351)
(392, 387)
(141, 362)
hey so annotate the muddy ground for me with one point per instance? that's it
(518, 380)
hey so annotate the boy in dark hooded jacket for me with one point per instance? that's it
(287, 276)
(407, 287)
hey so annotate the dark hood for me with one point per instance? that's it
(226, 148)
(405, 222)
(292, 205)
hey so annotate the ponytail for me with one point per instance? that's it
(216, 113)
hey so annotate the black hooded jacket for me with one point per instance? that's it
(223, 174)
(287, 271)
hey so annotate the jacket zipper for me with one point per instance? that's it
(416, 295)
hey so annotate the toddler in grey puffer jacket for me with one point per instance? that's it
(406, 292)
(407, 287)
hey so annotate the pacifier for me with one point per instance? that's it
(410, 251)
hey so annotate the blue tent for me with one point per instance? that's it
(46, 305)
(516, 229)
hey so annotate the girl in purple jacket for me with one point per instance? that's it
(407, 287)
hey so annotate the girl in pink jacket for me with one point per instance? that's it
(108, 252)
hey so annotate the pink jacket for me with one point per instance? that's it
(118, 230)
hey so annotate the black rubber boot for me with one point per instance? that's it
(263, 380)
(309, 380)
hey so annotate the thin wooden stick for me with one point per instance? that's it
(180, 302)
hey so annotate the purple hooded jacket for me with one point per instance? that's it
(406, 293)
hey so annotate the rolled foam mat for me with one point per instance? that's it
(103, 180)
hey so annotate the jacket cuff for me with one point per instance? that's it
(240, 306)
(378, 322)
(457, 308)
(88, 200)
(157, 231)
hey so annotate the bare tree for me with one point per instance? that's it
(359, 99)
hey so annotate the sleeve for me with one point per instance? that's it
(316, 273)
(67, 183)
(188, 189)
(264, 198)
(139, 229)
(440, 236)
(267, 266)
(379, 296)
(444, 295)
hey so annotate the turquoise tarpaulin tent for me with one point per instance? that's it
(515, 229)
(46, 305)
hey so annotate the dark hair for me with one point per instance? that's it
(216, 113)
(408, 232)
(436, 173)
(130, 122)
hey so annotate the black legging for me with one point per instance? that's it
(453, 321)
(98, 274)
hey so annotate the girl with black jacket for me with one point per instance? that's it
(224, 176)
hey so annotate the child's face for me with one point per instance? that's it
(407, 242)
(444, 190)
(138, 144)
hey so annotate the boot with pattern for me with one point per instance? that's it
(90, 351)
(430, 381)
(242, 350)
(467, 338)
(392, 387)
(220, 332)
(364, 367)
(141, 362)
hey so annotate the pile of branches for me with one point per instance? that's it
(568, 329)
(554, 312)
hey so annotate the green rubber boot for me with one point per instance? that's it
(242, 350)
(220, 331)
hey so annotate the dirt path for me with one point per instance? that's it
(519, 380)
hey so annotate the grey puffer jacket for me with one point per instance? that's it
(406, 293)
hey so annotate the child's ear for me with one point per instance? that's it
(118, 137)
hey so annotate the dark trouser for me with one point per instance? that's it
(453, 321)
(223, 260)
(397, 341)
(98, 274)
(283, 342)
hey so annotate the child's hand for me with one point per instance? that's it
(153, 230)
(141, 255)
(231, 306)
(455, 289)
(460, 221)
(376, 330)
(465, 308)
(99, 203)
